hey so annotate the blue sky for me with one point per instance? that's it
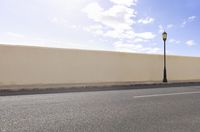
(112, 25)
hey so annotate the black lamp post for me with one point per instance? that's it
(164, 36)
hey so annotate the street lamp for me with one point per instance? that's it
(164, 36)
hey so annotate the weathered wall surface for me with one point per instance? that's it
(34, 65)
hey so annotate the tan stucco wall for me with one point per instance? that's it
(34, 65)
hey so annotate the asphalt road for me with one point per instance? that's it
(146, 110)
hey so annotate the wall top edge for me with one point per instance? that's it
(87, 50)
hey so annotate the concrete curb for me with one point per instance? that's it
(86, 88)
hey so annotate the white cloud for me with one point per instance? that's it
(190, 43)
(146, 20)
(188, 20)
(94, 11)
(139, 40)
(184, 23)
(192, 18)
(174, 41)
(97, 29)
(161, 29)
(117, 17)
(125, 2)
(136, 37)
(145, 35)
(136, 48)
(117, 21)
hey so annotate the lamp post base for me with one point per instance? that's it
(165, 75)
(165, 80)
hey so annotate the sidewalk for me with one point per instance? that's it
(63, 88)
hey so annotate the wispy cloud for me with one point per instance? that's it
(14, 38)
(145, 35)
(125, 2)
(162, 28)
(190, 43)
(118, 34)
(174, 41)
(192, 18)
(188, 20)
(146, 20)
(170, 26)
(136, 48)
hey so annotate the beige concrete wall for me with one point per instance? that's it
(34, 65)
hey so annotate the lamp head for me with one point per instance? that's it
(164, 36)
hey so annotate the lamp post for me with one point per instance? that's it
(164, 36)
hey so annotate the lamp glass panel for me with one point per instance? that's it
(164, 35)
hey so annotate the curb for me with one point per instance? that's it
(63, 89)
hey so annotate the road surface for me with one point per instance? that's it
(141, 110)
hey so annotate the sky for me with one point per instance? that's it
(134, 26)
